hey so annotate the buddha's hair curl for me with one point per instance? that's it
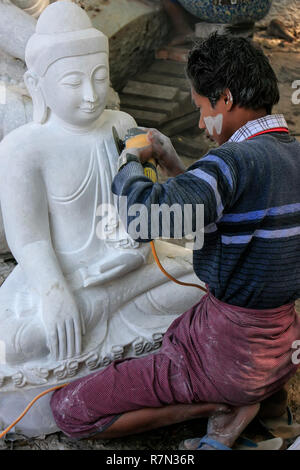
(225, 61)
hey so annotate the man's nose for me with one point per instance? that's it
(89, 93)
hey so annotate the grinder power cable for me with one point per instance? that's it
(134, 138)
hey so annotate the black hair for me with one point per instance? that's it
(224, 61)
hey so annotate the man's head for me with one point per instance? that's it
(68, 69)
(232, 82)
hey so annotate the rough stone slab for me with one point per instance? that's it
(134, 28)
(189, 147)
(150, 90)
(203, 29)
(180, 124)
(186, 102)
(164, 79)
(287, 11)
(168, 67)
(146, 118)
(149, 104)
(173, 109)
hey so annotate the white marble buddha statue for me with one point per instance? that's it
(76, 300)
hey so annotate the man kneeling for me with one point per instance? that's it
(233, 349)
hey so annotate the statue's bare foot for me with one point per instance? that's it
(225, 427)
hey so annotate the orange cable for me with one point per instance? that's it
(169, 275)
(3, 433)
(28, 408)
(140, 141)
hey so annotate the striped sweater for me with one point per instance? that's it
(250, 190)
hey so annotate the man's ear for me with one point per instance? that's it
(228, 99)
(40, 111)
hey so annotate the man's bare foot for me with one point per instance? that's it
(225, 427)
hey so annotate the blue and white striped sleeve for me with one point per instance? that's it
(209, 182)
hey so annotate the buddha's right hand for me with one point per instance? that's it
(63, 323)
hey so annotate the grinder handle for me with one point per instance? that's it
(139, 141)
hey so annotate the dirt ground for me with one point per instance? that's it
(285, 59)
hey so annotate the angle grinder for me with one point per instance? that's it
(136, 138)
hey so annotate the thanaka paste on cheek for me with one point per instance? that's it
(214, 122)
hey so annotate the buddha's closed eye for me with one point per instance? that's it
(99, 80)
(71, 81)
(100, 76)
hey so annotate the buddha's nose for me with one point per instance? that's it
(89, 93)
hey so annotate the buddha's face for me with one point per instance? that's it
(76, 88)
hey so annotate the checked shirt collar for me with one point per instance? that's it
(273, 121)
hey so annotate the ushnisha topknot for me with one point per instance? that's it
(63, 30)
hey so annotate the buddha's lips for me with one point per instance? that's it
(88, 109)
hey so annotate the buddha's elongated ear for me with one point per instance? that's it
(40, 109)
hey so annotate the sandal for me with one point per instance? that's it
(205, 440)
(243, 443)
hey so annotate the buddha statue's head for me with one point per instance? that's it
(68, 71)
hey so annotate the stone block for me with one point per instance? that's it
(146, 118)
(180, 124)
(149, 104)
(203, 29)
(150, 90)
(168, 67)
(168, 80)
(134, 29)
(179, 54)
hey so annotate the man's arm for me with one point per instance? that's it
(208, 183)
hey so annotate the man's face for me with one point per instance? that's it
(75, 88)
(213, 120)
